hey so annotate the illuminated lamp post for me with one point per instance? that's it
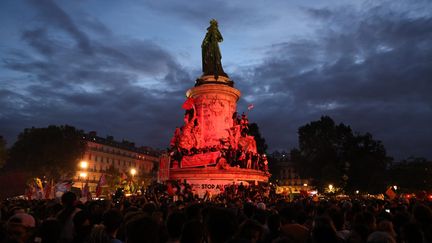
(83, 174)
(83, 165)
(133, 172)
(330, 187)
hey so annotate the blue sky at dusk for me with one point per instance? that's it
(122, 68)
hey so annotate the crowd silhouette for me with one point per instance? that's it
(239, 214)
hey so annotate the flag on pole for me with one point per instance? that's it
(250, 107)
(39, 183)
(390, 193)
(29, 191)
(123, 176)
(62, 187)
(102, 182)
(48, 190)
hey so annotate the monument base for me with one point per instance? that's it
(214, 180)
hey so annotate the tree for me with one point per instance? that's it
(113, 178)
(260, 141)
(3, 152)
(52, 152)
(333, 154)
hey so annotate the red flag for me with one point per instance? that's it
(250, 107)
(29, 192)
(48, 189)
(102, 182)
(390, 193)
(188, 104)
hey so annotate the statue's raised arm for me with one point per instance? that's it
(211, 56)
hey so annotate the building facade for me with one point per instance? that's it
(106, 156)
(285, 176)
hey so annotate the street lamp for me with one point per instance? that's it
(330, 187)
(133, 172)
(83, 165)
(83, 174)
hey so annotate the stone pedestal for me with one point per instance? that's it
(215, 105)
(214, 180)
(213, 148)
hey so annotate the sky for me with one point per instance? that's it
(122, 68)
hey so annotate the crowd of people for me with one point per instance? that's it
(240, 214)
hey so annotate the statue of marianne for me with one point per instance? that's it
(211, 56)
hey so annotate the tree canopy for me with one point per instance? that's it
(260, 141)
(53, 151)
(334, 154)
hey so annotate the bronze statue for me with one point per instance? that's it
(211, 56)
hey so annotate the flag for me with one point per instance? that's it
(48, 190)
(38, 183)
(188, 104)
(102, 182)
(123, 176)
(390, 193)
(29, 191)
(250, 107)
(63, 186)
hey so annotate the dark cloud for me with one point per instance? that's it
(51, 13)
(100, 85)
(368, 67)
(231, 14)
(371, 71)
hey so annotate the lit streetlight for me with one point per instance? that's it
(330, 187)
(83, 165)
(133, 172)
(305, 184)
(357, 191)
(83, 174)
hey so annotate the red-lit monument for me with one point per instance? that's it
(213, 148)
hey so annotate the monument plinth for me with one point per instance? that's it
(214, 146)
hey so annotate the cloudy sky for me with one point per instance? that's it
(122, 68)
